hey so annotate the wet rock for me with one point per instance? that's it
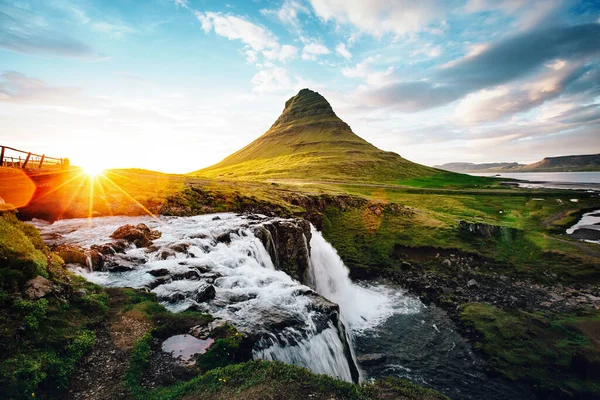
(217, 218)
(140, 234)
(180, 247)
(405, 266)
(372, 359)
(224, 238)
(190, 274)
(472, 283)
(161, 280)
(119, 268)
(586, 234)
(446, 263)
(172, 297)
(205, 293)
(37, 287)
(166, 253)
(288, 244)
(71, 254)
(159, 272)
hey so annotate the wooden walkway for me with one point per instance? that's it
(26, 160)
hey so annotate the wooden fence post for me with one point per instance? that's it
(2, 157)
(26, 161)
(42, 161)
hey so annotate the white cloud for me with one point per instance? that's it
(181, 3)
(343, 51)
(288, 13)
(237, 28)
(527, 13)
(312, 51)
(378, 17)
(258, 39)
(365, 70)
(272, 80)
(427, 50)
(506, 100)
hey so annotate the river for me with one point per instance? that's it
(420, 343)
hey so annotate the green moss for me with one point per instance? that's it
(42, 340)
(20, 260)
(537, 348)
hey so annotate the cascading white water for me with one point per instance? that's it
(362, 307)
(250, 293)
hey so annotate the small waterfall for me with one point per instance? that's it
(323, 353)
(89, 263)
(360, 307)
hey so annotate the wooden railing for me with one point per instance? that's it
(14, 158)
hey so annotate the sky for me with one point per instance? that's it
(177, 85)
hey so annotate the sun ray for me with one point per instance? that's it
(133, 199)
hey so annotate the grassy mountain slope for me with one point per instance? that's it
(309, 141)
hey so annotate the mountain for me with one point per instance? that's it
(463, 167)
(309, 141)
(589, 162)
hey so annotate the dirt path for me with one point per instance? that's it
(101, 373)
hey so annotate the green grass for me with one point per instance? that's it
(539, 348)
(268, 380)
(451, 180)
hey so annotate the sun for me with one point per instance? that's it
(92, 170)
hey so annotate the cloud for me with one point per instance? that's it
(274, 79)
(427, 50)
(288, 13)
(379, 17)
(527, 14)
(343, 51)
(365, 70)
(237, 28)
(18, 88)
(513, 58)
(494, 104)
(258, 39)
(313, 50)
(22, 32)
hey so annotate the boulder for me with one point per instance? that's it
(224, 238)
(288, 244)
(140, 234)
(72, 254)
(586, 234)
(472, 283)
(205, 293)
(37, 287)
(485, 230)
(371, 359)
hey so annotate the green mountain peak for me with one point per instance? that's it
(309, 141)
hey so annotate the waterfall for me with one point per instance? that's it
(284, 319)
(361, 307)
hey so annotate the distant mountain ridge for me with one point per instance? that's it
(486, 167)
(309, 141)
(575, 163)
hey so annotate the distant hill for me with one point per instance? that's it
(309, 141)
(464, 167)
(590, 162)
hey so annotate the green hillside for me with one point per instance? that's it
(309, 141)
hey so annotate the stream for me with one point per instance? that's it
(379, 329)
